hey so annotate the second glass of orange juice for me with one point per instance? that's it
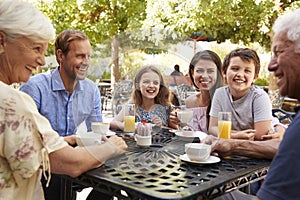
(224, 125)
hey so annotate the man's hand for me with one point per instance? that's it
(219, 147)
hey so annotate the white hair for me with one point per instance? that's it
(289, 22)
(18, 18)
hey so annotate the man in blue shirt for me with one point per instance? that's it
(64, 95)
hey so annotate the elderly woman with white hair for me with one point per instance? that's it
(28, 144)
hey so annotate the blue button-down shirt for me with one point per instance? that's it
(64, 112)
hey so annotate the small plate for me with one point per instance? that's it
(189, 136)
(210, 160)
(110, 133)
(173, 130)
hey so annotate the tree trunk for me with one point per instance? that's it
(115, 60)
(273, 82)
(273, 91)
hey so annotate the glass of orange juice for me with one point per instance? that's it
(224, 124)
(129, 118)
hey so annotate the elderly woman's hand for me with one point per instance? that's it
(118, 142)
(113, 146)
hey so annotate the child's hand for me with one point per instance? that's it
(156, 120)
(277, 134)
(245, 134)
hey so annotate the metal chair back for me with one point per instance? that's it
(181, 92)
(121, 94)
(283, 116)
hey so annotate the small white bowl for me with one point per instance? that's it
(100, 127)
(88, 139)
(197, 151)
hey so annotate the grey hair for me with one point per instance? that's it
(18, 18)
(289, 22)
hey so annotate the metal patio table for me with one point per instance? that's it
(158, 173)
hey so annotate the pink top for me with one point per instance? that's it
(199, 122)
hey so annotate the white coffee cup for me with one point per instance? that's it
(88, 139)
(197, 151)
(185, 116)
(100, 127)
(143, 141)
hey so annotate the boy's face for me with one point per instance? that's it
(240, 75)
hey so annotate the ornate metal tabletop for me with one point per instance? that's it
(158, 173)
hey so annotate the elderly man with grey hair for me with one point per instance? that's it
(283, 178)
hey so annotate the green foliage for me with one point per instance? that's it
(153, 25)
(105, 75)
(262, 81)
(99, 19)
(238, 20)
(244, 21)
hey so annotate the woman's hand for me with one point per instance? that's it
(173, 119)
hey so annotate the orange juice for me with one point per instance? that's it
(129, 123)
(224, 129)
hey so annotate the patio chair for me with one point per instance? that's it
(283, 116)
(105, 92)
(181, 92)
(121, 94)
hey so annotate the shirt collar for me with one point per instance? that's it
(57, 83)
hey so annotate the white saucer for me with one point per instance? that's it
(189, 135)
(210, 160)
(110, 133)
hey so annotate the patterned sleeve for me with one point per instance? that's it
(26, 134)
